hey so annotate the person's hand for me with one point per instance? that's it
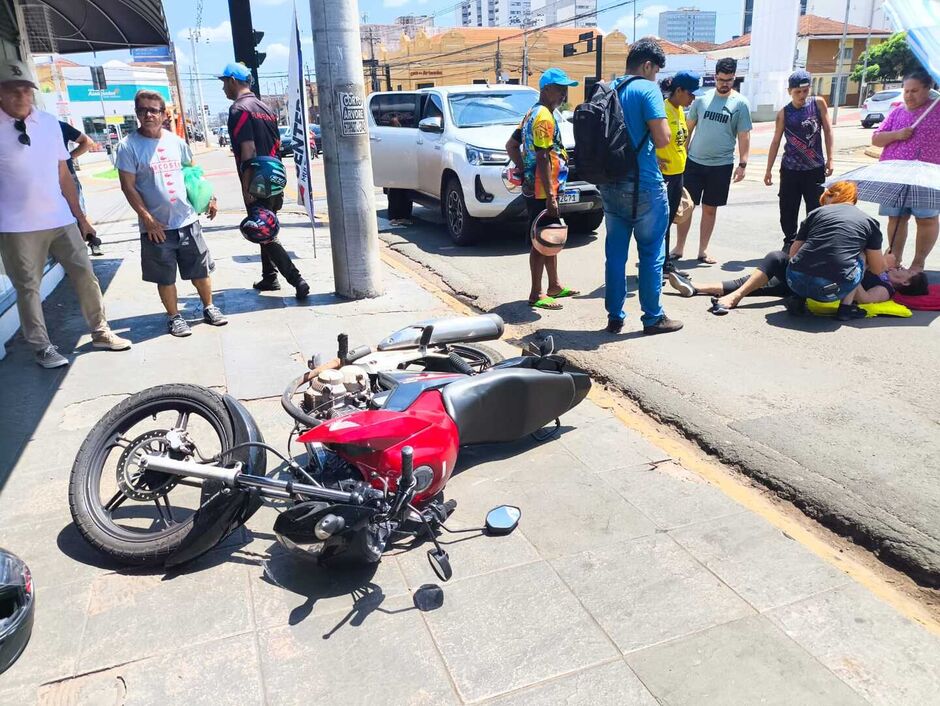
(551, 205)
(738, 174)
(87, 229)
(213, 208)
(768, 178)
(829, 167)
(904, 133)
(662, 164)
(154, 230)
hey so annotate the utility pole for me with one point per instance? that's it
(838, 78)
(201, 107)
(864, 83)
(179, 91)
(499, 64)
(347, 165)
(598, 59)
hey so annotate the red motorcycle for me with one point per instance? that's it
(380, 448)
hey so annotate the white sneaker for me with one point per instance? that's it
(49, 357)
(110, 340)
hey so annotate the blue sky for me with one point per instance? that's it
(273, 17)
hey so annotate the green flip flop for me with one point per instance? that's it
(546, 303)
(565, 292)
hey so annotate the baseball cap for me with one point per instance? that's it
(555, 77)
(689, 80)
(13, 71)
(236, 70)
(800, 78)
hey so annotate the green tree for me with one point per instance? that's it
(887, 61)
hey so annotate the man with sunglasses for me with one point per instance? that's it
(40, 215)
(150, 165)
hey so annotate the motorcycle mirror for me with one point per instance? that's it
(440, 562)
(426, 334)
(502, 520)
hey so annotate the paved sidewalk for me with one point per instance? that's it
(629, 581)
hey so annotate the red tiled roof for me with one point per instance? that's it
(701, 46)
(811, 26)
(672, 48)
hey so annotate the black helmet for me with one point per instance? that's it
(17, 605)
(268, 178)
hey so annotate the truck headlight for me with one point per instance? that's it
(477, 156)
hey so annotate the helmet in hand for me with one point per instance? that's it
(260, 226)
(268, 177)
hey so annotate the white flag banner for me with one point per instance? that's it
(297, 97)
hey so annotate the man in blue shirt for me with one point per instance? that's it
(645, 117)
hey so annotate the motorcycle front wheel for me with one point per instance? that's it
(124, 511)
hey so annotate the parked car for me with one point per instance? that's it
(445, 148)
(877, 107)
(287, 141)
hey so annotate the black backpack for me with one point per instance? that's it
(603, 148)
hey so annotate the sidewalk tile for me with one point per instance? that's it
(378, 654)
(55, 552)
(745, 662)
(52, 651)
(285, 589)
(670, 495)
(33, 496)
(648, 590)
(219, 673)
(133, 615)
(885, 657)
(609, 444)
(513, 628)
(258, 356)
(612, 683)
(758, 561)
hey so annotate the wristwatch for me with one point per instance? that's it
(742, 165)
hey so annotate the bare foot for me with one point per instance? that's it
(704, 258)
(729, 301)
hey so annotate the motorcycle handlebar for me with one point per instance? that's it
(287, 402)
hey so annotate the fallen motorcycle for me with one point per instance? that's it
(380, 448)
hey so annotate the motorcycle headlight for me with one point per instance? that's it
(477, 156)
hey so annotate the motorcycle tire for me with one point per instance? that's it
(477, 353)
(88, 513)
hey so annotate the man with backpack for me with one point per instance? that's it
(617, 133)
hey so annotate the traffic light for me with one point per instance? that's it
(259, 56)
(98, 80)
(569, 50)
(245, 38)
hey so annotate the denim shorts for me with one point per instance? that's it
(184, 248)
(824, 289)
(905, 211)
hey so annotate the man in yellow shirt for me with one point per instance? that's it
(680, 92)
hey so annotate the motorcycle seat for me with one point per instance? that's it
(508, 404)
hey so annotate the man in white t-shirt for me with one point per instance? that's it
(40, 216)
(150, 165)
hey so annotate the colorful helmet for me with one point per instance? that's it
(260, 226)
(268, 178)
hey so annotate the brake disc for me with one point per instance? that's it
(138, 483)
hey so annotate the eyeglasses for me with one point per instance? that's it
(724, 80)
(149, 111)
(20, 125)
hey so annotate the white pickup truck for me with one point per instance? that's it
(445, 147)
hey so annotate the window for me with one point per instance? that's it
(426, 85)
(479, 81)
(433, 108)
(395, 110)
(482, 108)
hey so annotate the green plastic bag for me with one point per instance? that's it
(198, 190)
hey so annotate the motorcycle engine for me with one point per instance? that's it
(335, 393)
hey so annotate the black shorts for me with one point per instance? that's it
(184, 248)
(708, 185)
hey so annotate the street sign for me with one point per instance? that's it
(148, 54)
(353, 114)
(114, 119)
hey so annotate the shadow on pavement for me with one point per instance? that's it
(32, 387)
(827, 324)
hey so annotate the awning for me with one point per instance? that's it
(71, 26)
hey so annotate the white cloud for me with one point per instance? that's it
(221, 32)
(647, 17)
(277, 49)
(271, 2)
(394, 3)
(182, 58)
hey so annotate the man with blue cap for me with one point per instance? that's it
(252, 128)
(803, 123)
(537, 148)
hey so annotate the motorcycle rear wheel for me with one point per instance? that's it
(476, 355)
(94, 517)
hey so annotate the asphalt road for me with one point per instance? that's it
(841, 419)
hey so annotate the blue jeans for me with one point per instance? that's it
(649, 229)
(823, 289)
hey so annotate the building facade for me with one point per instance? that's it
(687, 24)
(564, 13)
(864, 13)
(493, 13)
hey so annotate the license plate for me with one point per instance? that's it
(570, 196)
(875, 116)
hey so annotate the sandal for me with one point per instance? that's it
(565, 292)
(705, 259)
(546, 303)
(717, 309)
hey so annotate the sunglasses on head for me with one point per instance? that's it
(20, 125)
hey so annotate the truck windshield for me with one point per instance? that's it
(479, 109)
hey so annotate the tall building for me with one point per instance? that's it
(563, 13)
(864, 13)
(687, 24)
(493, 13)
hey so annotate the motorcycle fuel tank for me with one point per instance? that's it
(455, 329)
(372, 441)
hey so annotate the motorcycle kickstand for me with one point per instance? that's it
(554, 431)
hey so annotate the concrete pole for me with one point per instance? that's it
(864, 83)
(202, 104)
(839, 79)
(347, 162)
